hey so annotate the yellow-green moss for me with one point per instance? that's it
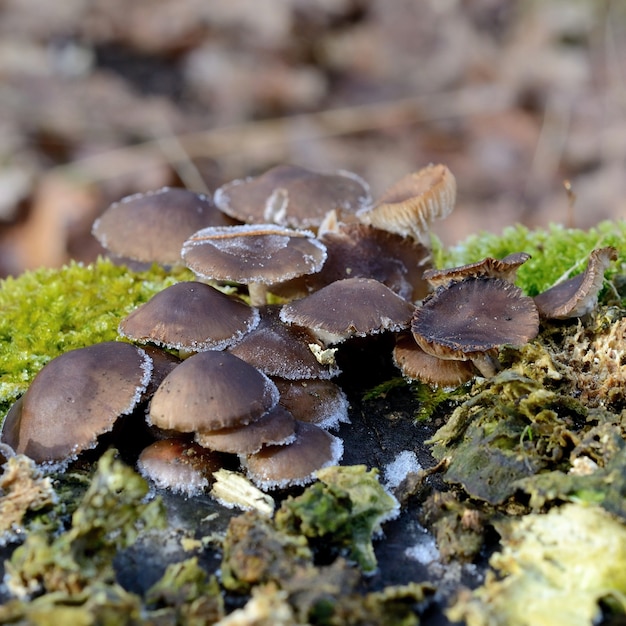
(50, 311)
(555, 252)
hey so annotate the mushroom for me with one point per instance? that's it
(210, 391)
(255, 254)
(276, 427)
(315, 401)
(295, 463)
(410, 205)
(179, 465)
(280, 349)
(577, 296)
(416, 364)
(293, 196)
(489, 267)
(471, 319)
(355, 250)
(353, 307)
(151, 227)
(75, 398)
(190, 316)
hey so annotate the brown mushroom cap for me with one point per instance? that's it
(292, 196)
(416, 364)
(280, 349)
(152, 227)
(470, 318)
(179, 465)
(190, 316)
(505, 268)
(315, 401)
(275, 467)
(75, 398)
(263, 253)
(410, 205)
(577, 296)
(209, 391)
(348, 308)
(276, 427)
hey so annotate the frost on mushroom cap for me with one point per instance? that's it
(292, 196)
(151, 227)
(315, 401)
(279, 349)
(276, 467)
(578, 295)
(263, 253)
(416, 364)
(192, 316)
(505, 268)
(179, 465)
(209, 391)
(410, 205)
(75, 398)
(474, 316)
(348, 308)
(276, 427)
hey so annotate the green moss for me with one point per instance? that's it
(50, 311)
(556, 251)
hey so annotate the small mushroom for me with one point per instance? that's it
(179, 465)
(293, 196)
(151, 227)
(315, 401)
(276, 427)
(277, 467)
(505, 268)
(353, 307)
(410, 205)
(577, 296)
(472, 319)
(75, 398)
(255, 254)
(210, 391)
(190, 316)
(416, 364)
(280, 349)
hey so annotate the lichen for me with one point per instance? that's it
(345, 509)
(47, 312)
(555, 568)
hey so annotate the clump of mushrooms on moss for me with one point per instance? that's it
(225, 374)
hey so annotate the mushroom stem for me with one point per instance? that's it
(258, 293)
(487, 364)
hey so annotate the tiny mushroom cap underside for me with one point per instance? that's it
(75, 398)
(276, 427)
(292, 196)
(254, 254)
(348, 308)
(410, 205)
(209, 391)
(179, 465)
(190, 316)
(280, 349)
(151, 227)
(472, 319)
(505, 268)
(577, 296)
(276, 467)
(415, 364)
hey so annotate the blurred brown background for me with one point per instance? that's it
(103, 98)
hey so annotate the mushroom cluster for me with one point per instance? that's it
(236, 367)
